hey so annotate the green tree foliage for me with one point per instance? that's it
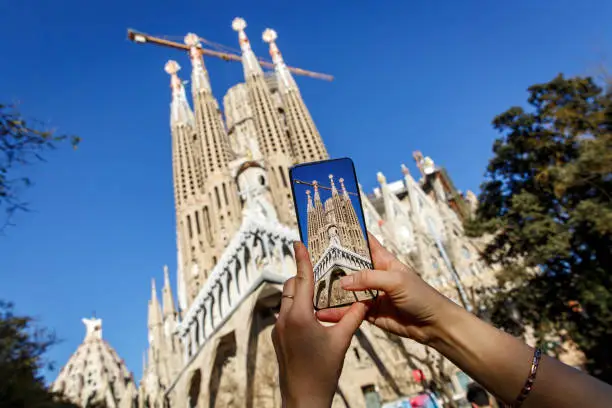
(21, 143)
(22, 349)
(547, 203)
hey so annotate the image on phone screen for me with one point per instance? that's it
(332, 226)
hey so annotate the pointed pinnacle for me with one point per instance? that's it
(166, 277)
(153, 289)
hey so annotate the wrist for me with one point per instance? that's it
(443, 332)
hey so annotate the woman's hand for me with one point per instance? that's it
(310, 355)
(406, 305)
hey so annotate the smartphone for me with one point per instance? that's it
(330, 218)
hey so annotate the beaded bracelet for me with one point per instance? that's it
(530, 380)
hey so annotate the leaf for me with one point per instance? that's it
(547, 203)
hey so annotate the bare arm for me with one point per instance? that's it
(409, 307)
(501, 363)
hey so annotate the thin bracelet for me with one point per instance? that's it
(537, 354)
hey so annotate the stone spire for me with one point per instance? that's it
(155, 317)
(167, 298)
(199, 75)
(188, 173)
(206, 224)
(211, 131)
(333, 185)
(272, 137)
(316, 225)
(317, 197)
(144, 362)
(343, 188)
(180, 112)
(310, 207)
(397, 214)
(306, 142)
(285, 79)
(187, 178)
(95, 373)
(249, 60)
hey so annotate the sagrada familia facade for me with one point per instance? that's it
(336, 243)
(235, 224)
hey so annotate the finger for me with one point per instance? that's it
(351, 320)
(372, 279)
(287, 302)
(381, 258)
(335, 314)
(304, 290)
(332, 315)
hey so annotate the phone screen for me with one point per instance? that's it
(332, 226)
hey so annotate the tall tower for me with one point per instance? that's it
(317, 233)
(306, 141)
(218, 184)
(353, 227)
(213, 216)
(273, 141)
(188, 180)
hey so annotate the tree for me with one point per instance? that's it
(20, 144)
(22, 349)
(547, 204)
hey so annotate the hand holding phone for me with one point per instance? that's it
(330, 217)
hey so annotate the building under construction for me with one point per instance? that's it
(209, 341)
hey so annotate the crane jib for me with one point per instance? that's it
(142, 38)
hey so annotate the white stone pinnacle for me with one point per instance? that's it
(238, 24)
(192, 40)
(93, 328)
(269, 35)
(172, 67)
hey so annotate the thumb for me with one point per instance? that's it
(351, 320)
(386, 281)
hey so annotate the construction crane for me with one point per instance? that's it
(142, 38)
(319, 186)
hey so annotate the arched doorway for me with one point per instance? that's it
(223, 384)
(194, 388)
(321, 300)
(337, 295)
(262, 388)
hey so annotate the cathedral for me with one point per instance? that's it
(336, 244)
(209, 341)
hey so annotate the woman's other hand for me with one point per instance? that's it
(310, 355)
(406, 305)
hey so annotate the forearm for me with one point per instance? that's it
(501, 363)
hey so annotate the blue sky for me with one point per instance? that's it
(320, 172)
(409, 75)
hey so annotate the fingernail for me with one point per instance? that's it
(295, 244)
(346, 281)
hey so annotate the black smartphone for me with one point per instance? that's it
(330, 218)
